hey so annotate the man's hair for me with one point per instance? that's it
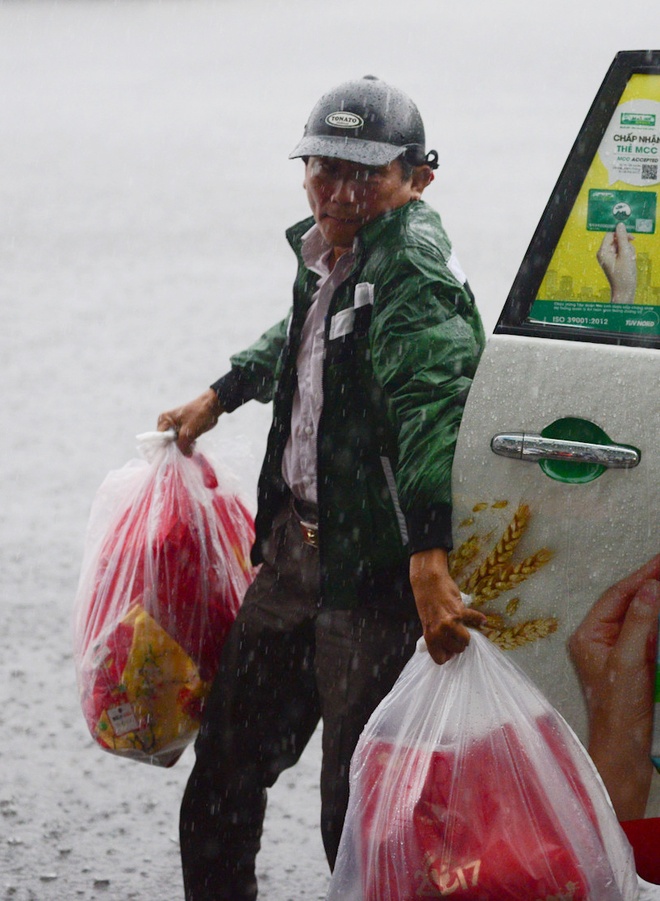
(406, 167)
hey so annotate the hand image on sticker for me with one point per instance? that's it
(618, 260)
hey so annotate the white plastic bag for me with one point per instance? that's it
(467, 784)
(165, 568)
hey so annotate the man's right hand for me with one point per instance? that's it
(192, 420)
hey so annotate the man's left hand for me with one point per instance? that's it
(445, 618)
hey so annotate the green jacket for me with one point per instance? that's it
(403, 338)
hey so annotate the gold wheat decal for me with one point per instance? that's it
(499, 573)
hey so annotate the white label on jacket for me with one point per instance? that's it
(391, 484)
(342, 323)
(456, 269)
(364, 294)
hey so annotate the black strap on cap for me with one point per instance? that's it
(415, 155)
(431, 159)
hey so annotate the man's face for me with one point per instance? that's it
(344, 196)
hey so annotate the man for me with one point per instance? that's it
(368, 377)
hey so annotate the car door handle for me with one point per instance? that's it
(521, 446)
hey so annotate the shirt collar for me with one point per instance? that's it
(316, 251)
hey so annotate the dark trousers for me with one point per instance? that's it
(285, 665)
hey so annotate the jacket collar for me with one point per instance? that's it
(372, 232)
(368, 235)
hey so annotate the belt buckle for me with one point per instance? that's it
(310, 533)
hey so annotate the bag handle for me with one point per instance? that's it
(156, 437)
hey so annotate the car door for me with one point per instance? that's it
(557, 467)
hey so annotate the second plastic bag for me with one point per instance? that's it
(467, 783)
(165, 568)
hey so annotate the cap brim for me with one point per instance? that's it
(368, 153)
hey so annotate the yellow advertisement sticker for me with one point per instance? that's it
(605, 271)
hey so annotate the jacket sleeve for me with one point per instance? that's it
(426, 339)
(253, 371)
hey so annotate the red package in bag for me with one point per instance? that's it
(165, 568)
(467, 783)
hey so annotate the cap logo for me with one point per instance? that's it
(344, 120)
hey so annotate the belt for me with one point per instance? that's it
(307, 515)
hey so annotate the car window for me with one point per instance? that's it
(592, 271)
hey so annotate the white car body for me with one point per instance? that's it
(571, 540)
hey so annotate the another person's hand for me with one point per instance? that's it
(444, 617)
(192, 420)
(613, 651)
(617, 258)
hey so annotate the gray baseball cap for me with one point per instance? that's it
(365, 121)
